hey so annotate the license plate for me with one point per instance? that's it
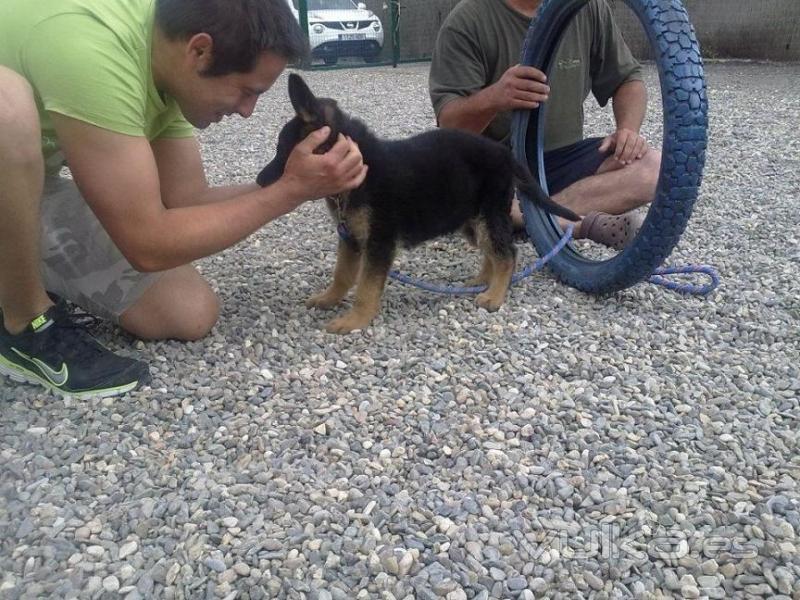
(352, 36)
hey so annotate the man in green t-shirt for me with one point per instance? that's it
(476, 81)
(115, 89)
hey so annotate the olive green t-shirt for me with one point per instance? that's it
(481, 39)
(89, 60)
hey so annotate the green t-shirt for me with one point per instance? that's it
(481, 39)
(89, 60)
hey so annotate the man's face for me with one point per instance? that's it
(205, 100)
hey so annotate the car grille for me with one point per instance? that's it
(347, 25)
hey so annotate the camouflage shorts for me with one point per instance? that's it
(79, 260)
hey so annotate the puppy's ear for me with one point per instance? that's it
(303, 100)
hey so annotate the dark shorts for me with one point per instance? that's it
(564, 166)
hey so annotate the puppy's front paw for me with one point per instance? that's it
(323, 300)
(347, 323)
(488, 301)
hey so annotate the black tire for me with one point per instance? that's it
(330, 60)
(685, 107)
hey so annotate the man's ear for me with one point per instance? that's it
(303, 100)
(199, 50)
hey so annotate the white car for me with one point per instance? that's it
(341, 28)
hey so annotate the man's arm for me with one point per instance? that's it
(471, 113)
(119, 177)
(520, 87)
(630, 105)
(182, 178)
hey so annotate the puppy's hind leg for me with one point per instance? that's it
(348, 260)
(377, 259)
(470, 231)
(485, 276)
(495, 239)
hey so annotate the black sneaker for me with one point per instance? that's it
(57, 352)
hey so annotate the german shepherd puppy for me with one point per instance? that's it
(416, 189)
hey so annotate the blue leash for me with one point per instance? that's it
(657, 278)
(687, 288)
(455, 290)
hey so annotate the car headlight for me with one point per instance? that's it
(376, 25)
(317, 28)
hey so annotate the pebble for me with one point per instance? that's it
(127, 549)
(215, 564)
(111, 584)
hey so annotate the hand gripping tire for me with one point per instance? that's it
(685, 107)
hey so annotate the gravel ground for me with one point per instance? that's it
(643, 445)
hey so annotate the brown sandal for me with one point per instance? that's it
(614, 231)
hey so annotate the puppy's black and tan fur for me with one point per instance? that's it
(416, 189)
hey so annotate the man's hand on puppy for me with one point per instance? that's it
(308, 176)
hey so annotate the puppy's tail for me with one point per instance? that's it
(525, 182)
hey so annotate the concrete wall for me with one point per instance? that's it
(751, 29)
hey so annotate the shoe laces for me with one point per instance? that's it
(77, 322)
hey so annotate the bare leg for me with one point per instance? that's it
(517, 219)
(612, 189)
(344, 277)
(22, 294)
(180, 305)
